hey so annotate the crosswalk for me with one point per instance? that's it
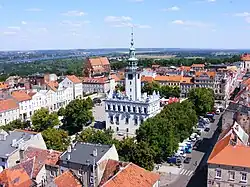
(186, 172)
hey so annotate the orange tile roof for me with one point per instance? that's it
(100, 61)
(3, 85)
(245, 57)
(224, 153)
(208, 73)
(185, 68)
(90, 80)
(198, 65)
(186, 80)
(20, 96)
(176, 78)
(67, 179)
(8, 104)
(74, 79)
(147, 79)
(134, 176)
(15, 178)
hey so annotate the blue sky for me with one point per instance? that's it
(65, 24)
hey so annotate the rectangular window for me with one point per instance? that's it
(117, 120)
(231, 175)
(119, 108)
(130, 76)
(145, 110)
(134, 109)
(111, 119)
(139, 109)
(243, 177)
(126, 120)
(218, 173)
(114, 107)
(124, 108)
(80, 172)
(129, 110)
(108, 107)
(141, 121)
(136, 121)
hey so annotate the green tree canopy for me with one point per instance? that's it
(203, 99)
(42, 120)
(76, 115)
(16, 124)
(149, 88)
(56, 139)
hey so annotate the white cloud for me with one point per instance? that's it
(75, 23)
(34, 10)
(14, 28)
(24, 23)
(173, 8)
(123, 21)
(191, 23)
(74, 13)
(242, 14)
(9, 33)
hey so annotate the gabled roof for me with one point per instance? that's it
(134, 176)
(245, 57)
(8, 104)
(198, 65)
(147, 79)
(15, 178)
(41, 157)
(74, 79)
(100, 61)
(210, 74)
(67, 179)
(20, 96)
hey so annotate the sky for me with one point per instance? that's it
(85, 24)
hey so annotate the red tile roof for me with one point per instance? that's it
(208, 73)
(42, 157)
(112, 167)
(100, 61)
(171, 78)
(8, 104)
(114, 76)
(89, 80)
(3, 85)
(67, 179)
(198, 65)
(147, 79)
(20, 96)
(185, 68)
(134, 176)
(15, 178)
(245, 57)
(74, 79)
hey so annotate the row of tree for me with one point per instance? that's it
(165, 91)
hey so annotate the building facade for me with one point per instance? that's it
(126, 112)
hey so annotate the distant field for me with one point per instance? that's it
(194, 57)
(157, 56)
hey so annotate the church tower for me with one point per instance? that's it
(132, 74)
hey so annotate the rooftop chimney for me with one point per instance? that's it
(95, 152)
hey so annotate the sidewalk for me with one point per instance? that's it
(168, 174)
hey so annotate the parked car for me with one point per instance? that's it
(187, 160)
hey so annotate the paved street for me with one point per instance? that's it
(99, 115)
(192, 175)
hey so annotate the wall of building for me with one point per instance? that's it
(225, 181)
(8, 116)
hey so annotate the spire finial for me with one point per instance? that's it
(132, 36)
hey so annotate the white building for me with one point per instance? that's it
(9, 111)
(125, 112)
(38, 100)
(75, 83)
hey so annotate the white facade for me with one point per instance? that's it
(77, 87)
(8, 116)
(26, 109)
(64, 95)
(39, 101)
(125, 113)
(51, 98)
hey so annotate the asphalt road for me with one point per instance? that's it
(193, 175)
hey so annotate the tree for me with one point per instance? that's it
(149, 88)
(77, 114)
(90, 102)
(120, 88)
(42, 120)
(56, 139)
(61, 111)
(169, 91)
(16, 124)
(203, 100)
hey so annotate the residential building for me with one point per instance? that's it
(9, 111)
(13, 143)
(129, 174)
(36, 79)
(227, 164)
(96, 67)
(98, 85)
(126, 112)
(146, 79)
(51, 98)
(172, 80)
(204, 79)
(67, 178)
(75, 83)
(25, 104)
(87, 161)
(64, 95)
(246, 59)
(186, 85)
(38, 100)
(148, 72)
(198, 67)
(15, 178)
